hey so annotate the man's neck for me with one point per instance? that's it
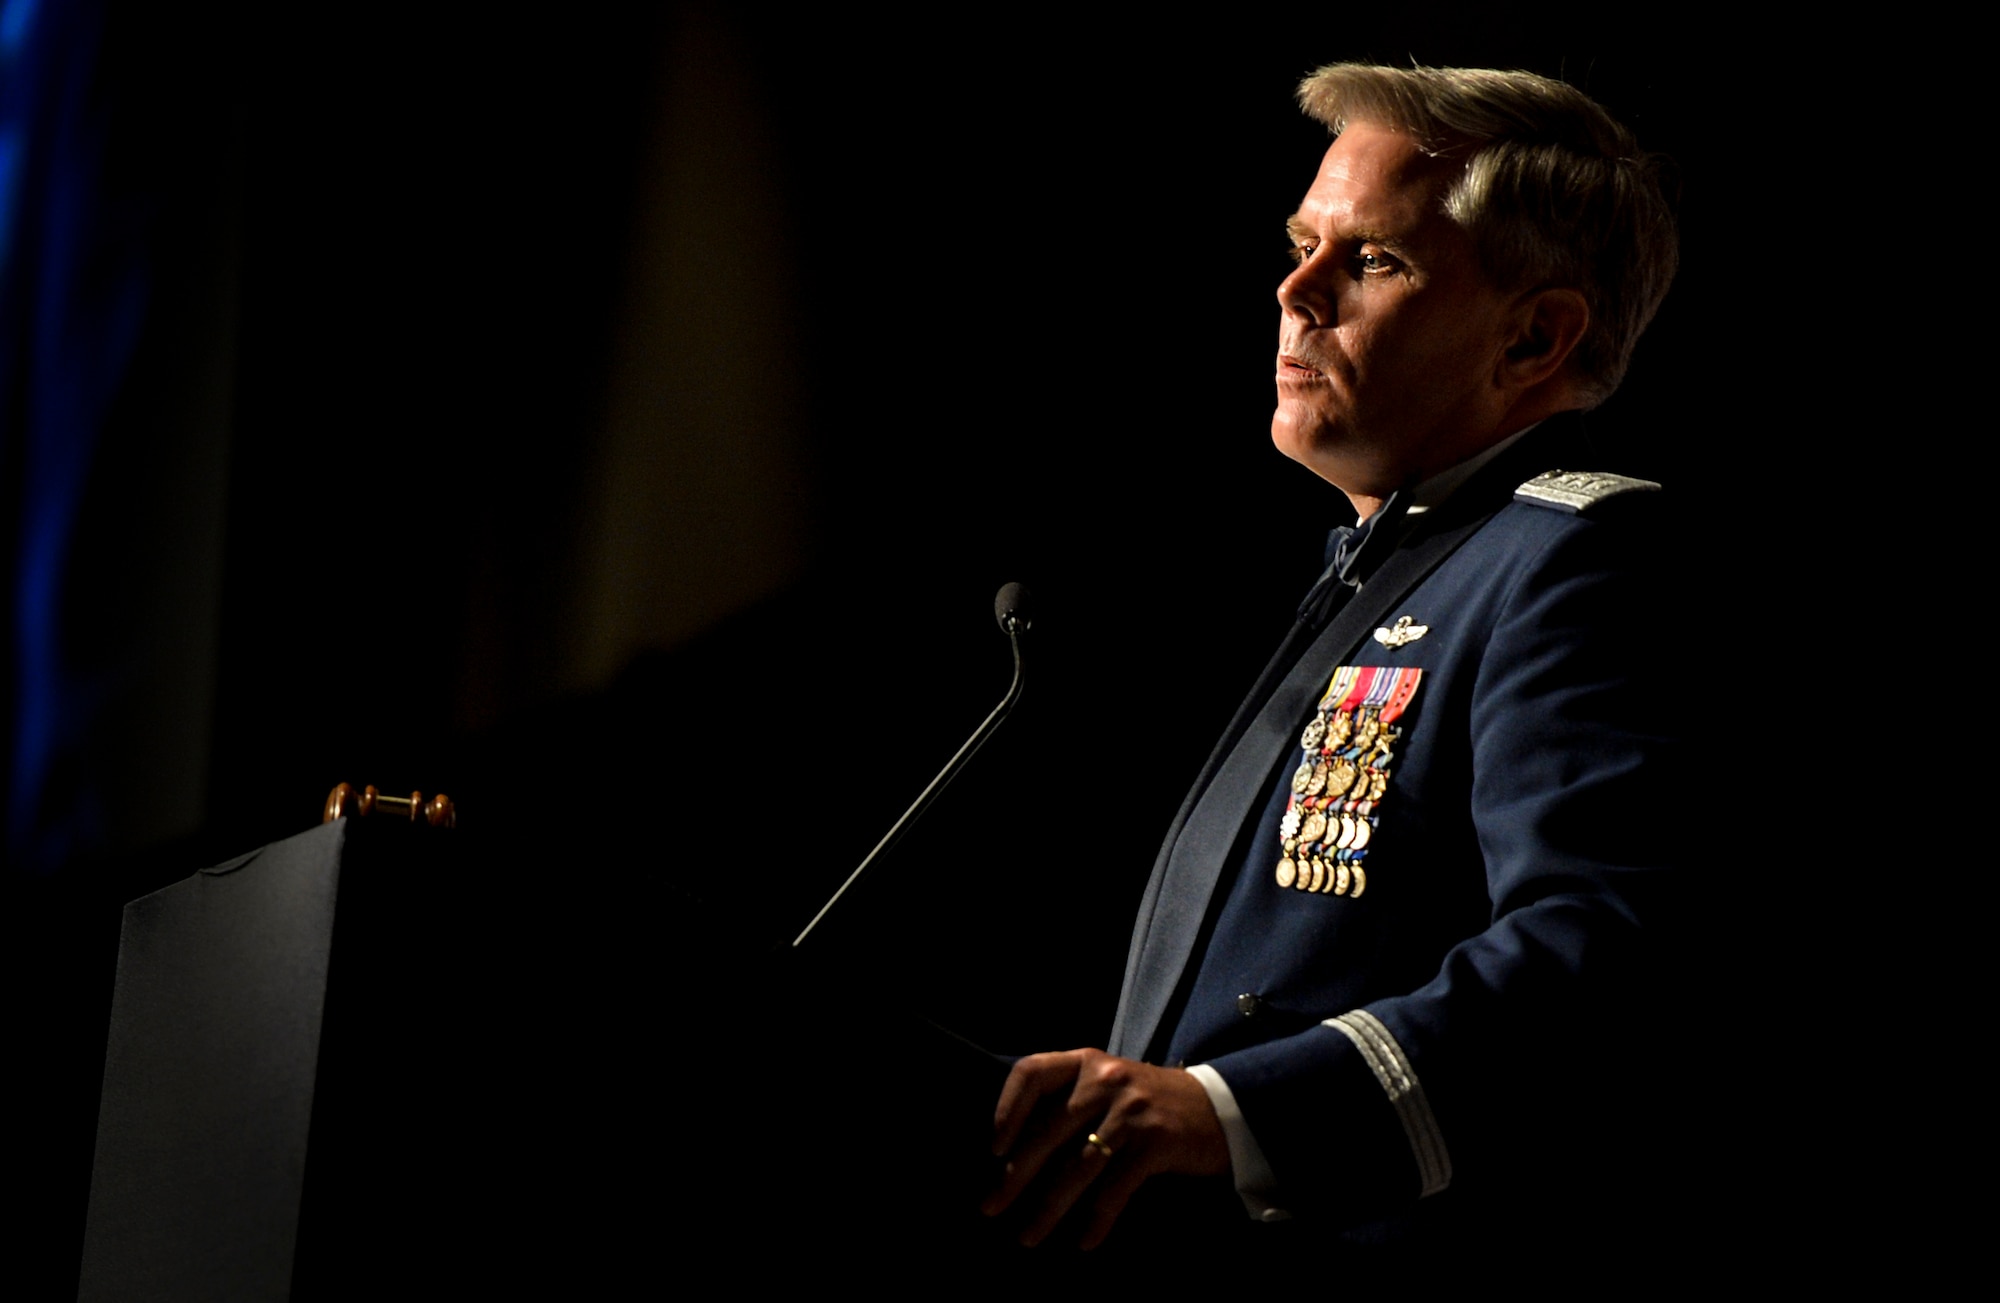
(1518, 415)
(1441, 485)
(1430, 492)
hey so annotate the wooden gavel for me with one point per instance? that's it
(344, 802)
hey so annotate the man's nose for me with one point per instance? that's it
(1302, 294)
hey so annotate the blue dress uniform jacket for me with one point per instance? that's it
(1378, 1043)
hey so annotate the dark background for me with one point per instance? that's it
(621, 422)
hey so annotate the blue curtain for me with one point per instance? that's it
(72, 295)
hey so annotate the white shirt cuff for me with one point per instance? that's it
(1255, 1184)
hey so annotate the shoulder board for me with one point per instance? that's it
(1576, 492)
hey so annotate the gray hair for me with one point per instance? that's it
(1554, 191)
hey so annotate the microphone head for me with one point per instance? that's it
(1011, 608)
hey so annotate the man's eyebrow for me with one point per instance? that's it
(1304, 232)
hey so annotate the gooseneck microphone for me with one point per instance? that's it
(1011, 611)
(1010, 608)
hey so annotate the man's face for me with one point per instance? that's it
(1389, 336)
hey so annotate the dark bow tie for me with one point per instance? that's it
(1352, 554)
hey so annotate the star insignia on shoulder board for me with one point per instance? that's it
(1402, 633)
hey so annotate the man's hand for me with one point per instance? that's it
(1144, 1121)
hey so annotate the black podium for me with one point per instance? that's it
(378, 1056)
(209, 1076)
(366, 1054)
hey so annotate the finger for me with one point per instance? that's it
(1093, 1093)
(1114, 1191)
(1049, 1132)
(1031, 1080)
(1096, 1083)
(1093, 1159)
(1042, 1141)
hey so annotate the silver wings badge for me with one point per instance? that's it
(1401, 634)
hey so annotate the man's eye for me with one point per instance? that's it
(1375, 263)
(1302, 252)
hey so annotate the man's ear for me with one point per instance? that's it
(1548, 323)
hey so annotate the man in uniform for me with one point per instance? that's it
(1424, 864)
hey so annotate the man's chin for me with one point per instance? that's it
(1302, 441)
(1321, 451)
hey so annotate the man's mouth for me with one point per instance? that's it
(1293, 368)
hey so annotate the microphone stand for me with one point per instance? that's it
(1010, 609)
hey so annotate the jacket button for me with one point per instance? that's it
(1247, 1004)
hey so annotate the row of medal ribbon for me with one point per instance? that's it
(1348, 750)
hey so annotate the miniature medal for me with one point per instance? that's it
(1341, 775)
(1348, 751)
